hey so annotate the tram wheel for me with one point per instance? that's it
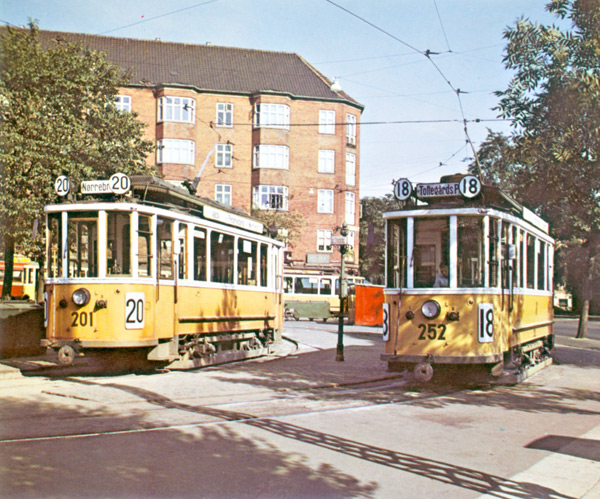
(423, 372)
(66, 355)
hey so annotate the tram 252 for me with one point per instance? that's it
(468, 281)
(147, 267)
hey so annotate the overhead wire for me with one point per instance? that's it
(427, 53)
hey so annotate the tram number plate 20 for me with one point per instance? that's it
(135, 310)
(486, 323)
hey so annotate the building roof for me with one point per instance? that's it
(209, 67)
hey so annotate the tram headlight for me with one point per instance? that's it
(81, 297)
(431, 309)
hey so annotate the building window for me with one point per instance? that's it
(350, 208)
(327, 122)
(351, 129)
(324, 241)
(326, 161)
(271, 156)
(271, 197)
(224, 114)
(224, 156)
(223, 194)
(123, 103)
(176, 151)
(272, 116)
(177, 109)
(350, 168)
(325, 201)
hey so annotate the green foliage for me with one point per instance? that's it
(553, 100)
(289, 224)
(59, 118)
(372, 236)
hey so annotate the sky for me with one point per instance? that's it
(412, 121)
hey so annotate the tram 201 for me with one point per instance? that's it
(469, 276)
(150, 268)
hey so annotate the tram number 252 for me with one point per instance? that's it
(135, 310)
(486, 323)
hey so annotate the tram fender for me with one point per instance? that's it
(165, 351)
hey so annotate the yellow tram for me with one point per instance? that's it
(469, 276)
(150, 267)
(313, 294)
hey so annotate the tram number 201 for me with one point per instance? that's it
(135, 309)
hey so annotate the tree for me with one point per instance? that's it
(553, 101)
(372, 236)
(289, 224)
(59, 118)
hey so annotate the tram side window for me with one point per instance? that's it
(83, 244)
(247, 262)
(165, 248)
(470, 252)
(144, 246)
(118, 250)
(221, 254)
(264, 265)
(325, 287)
(54, 250)
(541, 261)
(182, 258)
(530, 261)
(200, 255)
(288, 284)
(431, 252)
(396, 271)
(307, 285)
(493, 259)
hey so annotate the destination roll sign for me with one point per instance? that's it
(468, 187)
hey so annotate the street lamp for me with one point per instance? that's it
(339, 356)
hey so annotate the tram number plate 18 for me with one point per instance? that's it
(135, 308)
(486, 323)
(386, 322)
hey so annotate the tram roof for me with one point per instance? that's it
(491, 197)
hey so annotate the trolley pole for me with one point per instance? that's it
(339, 355)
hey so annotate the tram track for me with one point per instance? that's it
(225, 415)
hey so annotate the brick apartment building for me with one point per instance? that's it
(277, 133)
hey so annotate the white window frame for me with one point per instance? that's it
(224, 114)
(272, 156)
(263, 197)
(224, 194)
(325, 202)
(178, 109)
(177, 151)
(224, 156)
(350, 168)
(351, 129)
(326, 161)
(272, 116)
(123, 103)
(324, 241)
(327, 121)
(350, 211)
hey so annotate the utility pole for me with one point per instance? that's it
(343, 293)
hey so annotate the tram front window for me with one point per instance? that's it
(470, 252)
(431, 252)
(118, 244)
(82, 244)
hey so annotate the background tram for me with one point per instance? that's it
(24, 281)
(313, 295)
(469, 281)
(183, 279)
